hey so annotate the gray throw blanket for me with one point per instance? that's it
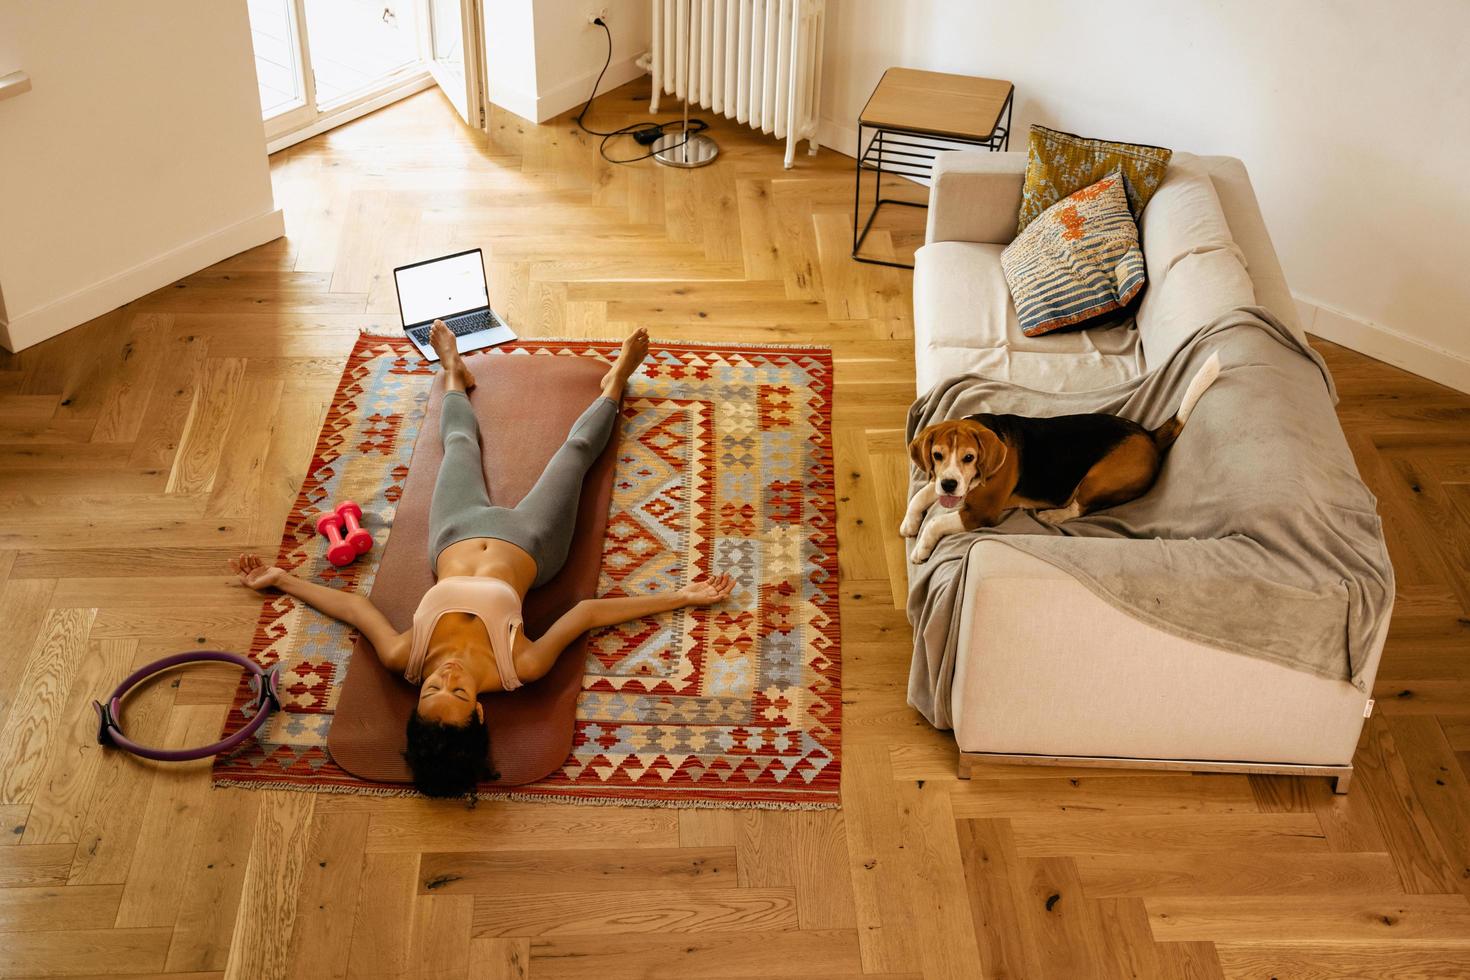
(1259, 537)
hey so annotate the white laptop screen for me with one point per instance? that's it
(443, 288)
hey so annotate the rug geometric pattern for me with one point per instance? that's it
(726, 466)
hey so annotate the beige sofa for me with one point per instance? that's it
(1047, 671)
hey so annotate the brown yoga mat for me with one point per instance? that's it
(525, 406)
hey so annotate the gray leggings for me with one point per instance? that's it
(542, 523)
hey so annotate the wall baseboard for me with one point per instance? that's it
(34, 326)
(519, 103)
(1386, 344)
(574, 92)
(837, 136)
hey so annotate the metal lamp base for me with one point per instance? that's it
(677, 150)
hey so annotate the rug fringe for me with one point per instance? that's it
(515, 796)
(266, 787)
(661, 804)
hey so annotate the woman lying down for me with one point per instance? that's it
(466, 637)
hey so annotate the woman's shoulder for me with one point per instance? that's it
(396, 654)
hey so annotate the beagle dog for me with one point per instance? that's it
(983, 465)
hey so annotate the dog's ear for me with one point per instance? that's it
(921, 451)
(993, 453)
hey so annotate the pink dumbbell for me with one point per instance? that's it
(346, 537)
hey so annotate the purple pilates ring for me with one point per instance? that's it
(109, 714)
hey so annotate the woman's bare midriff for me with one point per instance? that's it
(488, 558)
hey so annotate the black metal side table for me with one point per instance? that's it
(909, 105)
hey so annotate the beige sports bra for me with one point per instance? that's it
(495, 603)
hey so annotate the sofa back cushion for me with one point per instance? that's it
(1077, 264)
(1197, 289)
(1185, 216)
(1195, 270)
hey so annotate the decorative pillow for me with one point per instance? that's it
(1078, 263)
(1059, 163)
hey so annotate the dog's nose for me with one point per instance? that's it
(948, 486)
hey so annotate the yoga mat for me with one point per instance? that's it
(525, 406)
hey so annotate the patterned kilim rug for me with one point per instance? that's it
(725, 463)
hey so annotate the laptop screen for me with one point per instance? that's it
(441, 288)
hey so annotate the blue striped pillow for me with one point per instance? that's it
(1078, 262)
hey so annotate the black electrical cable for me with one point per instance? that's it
(644, 133)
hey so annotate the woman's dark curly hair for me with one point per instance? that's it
(448, 760)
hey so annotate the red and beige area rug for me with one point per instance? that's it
(726, 464)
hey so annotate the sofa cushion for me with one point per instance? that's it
(1078, 263)
(1199, 287)
(1196, 271)
(1184, 216)
(964, 322)
(1232, 185)
(1059, 163)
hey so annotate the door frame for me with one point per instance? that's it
(466, 95)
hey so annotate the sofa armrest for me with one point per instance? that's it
(976, 197)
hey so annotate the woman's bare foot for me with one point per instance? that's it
(635, 349)
(442, 340)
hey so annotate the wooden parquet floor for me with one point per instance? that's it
(141, 450)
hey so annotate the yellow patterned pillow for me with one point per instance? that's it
(1059, 164)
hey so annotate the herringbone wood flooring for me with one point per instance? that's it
(139, 451)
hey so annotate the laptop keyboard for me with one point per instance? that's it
(466, 323)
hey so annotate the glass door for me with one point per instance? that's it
(279, 72)
(358, 46)
(456, 56)
(320, 63)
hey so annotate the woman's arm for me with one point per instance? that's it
(349, 607)
(537, 658)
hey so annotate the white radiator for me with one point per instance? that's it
(754, 61)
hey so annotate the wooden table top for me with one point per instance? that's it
(934, 102)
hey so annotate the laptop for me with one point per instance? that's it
(451, 288)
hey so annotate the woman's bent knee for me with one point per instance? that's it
(455, 435)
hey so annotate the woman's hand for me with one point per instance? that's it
(255, 573)
(708, 592)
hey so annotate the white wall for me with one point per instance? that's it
(510, 56)
(542, 56)
(137, 157)
(1352, 116)
(572, 51)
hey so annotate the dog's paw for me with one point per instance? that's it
(910, 527)
(1058, 515)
